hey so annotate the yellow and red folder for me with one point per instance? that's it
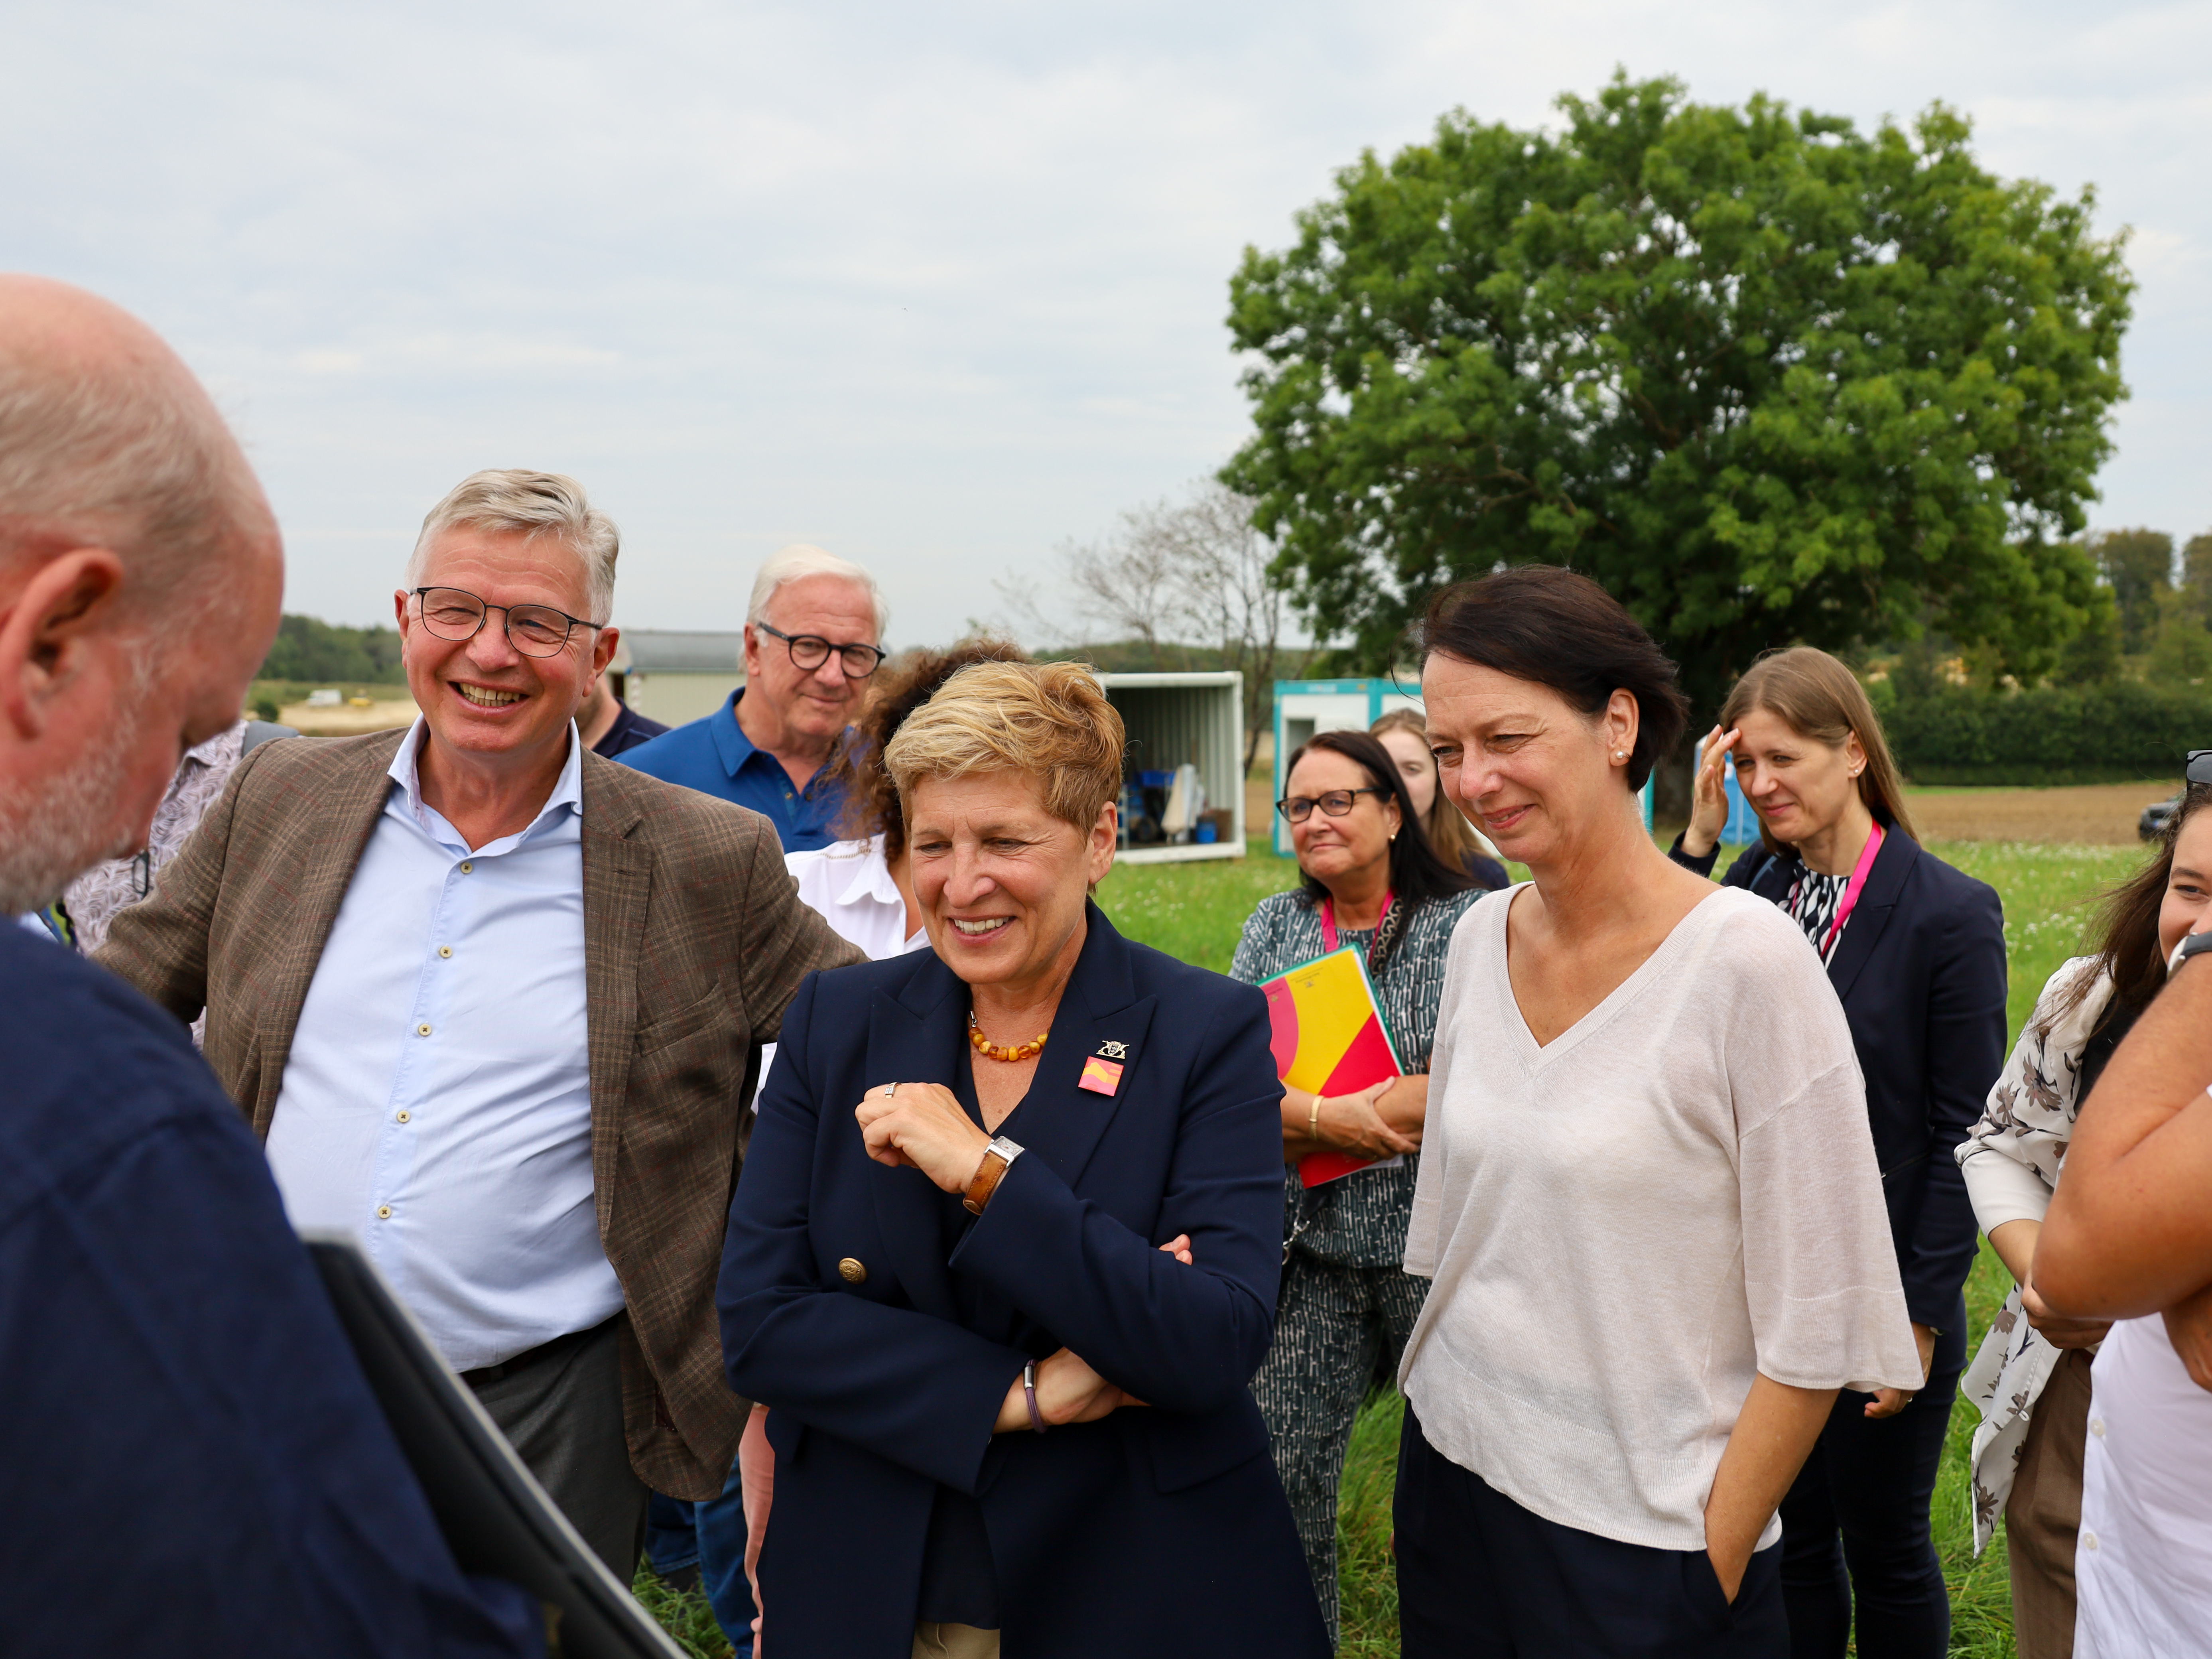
(1329, 1039)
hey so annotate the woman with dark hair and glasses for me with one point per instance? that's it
(1371, 880)
(1648, 1207)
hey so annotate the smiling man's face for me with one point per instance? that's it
(480, 696)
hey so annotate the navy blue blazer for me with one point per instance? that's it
(1160, 1529)
(1920, 973)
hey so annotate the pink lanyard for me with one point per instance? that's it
(1328, 919)
(1852, 892)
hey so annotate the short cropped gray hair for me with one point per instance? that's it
(536, 504)
(134, 462)
(792, 564)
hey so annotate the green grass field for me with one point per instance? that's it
(1195, 912)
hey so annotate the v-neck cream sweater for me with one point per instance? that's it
(1623, 1225)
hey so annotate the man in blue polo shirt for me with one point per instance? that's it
(814, 635)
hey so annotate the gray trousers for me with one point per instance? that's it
(1335, 1328)
(563, 1416)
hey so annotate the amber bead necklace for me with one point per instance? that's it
(991, 1050)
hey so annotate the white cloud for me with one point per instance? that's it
(936, 288)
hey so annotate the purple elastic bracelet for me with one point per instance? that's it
(1028, 1393)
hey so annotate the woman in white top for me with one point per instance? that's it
(2129, 1238)
(1647, 1203)
(2031, 1378)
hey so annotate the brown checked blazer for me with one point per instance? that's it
(695, 942)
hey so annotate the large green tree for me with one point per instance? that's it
(1766, 377)
(309, 648)
(2137, 565)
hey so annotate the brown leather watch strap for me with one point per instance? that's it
(984, 1182)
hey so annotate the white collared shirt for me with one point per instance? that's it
(849, 884)
(437, 1100)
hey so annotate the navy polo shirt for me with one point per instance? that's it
(715, 757)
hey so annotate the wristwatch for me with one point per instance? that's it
(2195, 945)
(998, 1157)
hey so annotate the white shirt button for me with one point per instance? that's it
(2089, 1541)
(2096, 1427)
(404, 1116)
(421, 1030)
(467, 868)
(384, 1213)
(445, 949)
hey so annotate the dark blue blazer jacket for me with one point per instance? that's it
(1162, 1529)
(1920, 973)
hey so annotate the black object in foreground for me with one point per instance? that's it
(496, 1518)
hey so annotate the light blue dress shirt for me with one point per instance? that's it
(437, 1101)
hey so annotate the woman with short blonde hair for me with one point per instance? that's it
(1005, 1251)
(1050, 720)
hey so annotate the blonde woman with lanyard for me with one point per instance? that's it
(1372, 880)
(1915, 952)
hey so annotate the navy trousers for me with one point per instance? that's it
(1855, 1531)
(1480, 1577)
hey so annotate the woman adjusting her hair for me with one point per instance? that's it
(1371, 882)
(1648, 1205)
(1916, 952)
(1003, 1255)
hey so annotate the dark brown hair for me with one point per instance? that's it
(1821, 700)
(900, 687)
(1556, 627)
(2125, 931)
(1417, 874)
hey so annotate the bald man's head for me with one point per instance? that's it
(107, 440)
(140, 577)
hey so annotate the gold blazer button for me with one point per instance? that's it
(853, 1271)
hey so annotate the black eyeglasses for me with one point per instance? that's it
(2199, 766)
(810, 651)
(1335, 802)
(535, 630)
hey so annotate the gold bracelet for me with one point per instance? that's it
(1313, 1122)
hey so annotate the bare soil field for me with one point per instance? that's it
(346, 721)
(2085, 815)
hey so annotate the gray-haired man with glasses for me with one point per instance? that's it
(494, 1003)
(814, 635)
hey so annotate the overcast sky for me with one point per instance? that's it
(937, 288)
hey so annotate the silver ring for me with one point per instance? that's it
(889, 1093)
